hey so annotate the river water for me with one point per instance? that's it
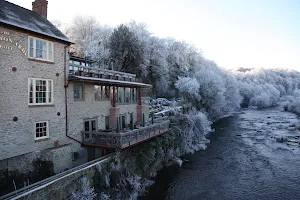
(253, 155)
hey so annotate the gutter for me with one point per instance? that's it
(66, 96)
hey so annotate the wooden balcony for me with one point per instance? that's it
(96, 75)
(89, 71)
(124, 139)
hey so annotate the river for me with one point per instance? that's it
(253, 155)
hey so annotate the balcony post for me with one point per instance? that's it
(139, 108)
(114, 97)
(139, 96)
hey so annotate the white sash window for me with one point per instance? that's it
(40, 49)
(40, 91)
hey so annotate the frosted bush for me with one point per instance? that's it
(104, 196)
(86, 192)
(194, 130)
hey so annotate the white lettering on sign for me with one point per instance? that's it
(4, 32)
(6, 38)
(5, 47)
(21, 48)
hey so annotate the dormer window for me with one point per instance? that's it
(40, 49)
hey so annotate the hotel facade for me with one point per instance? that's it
(58, 107)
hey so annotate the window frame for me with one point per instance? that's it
(90, 124)
(101, 92)
(34, 91)
(83, 95)
(47, 130)
(47, 49)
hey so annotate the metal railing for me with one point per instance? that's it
(76, 69)
(24, 192)
(126, 138)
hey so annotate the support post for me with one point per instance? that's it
(139, 96)
(114, 115)
(114, 97)
(139, 108)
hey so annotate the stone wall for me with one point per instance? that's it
(18, 137)
(18, 146)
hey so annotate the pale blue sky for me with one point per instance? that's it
(233, 33)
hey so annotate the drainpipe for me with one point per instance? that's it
(66, 95)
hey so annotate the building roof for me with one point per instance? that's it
(17, 16)
(108, 81)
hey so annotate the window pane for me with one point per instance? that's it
(44, 53)
(30, 91)
(40, 87)
(107, 90)
(97, 90)
(31, 52)
(40, 91)
(78, 92)
(120, 94)
(49, 91)
(127, 94)
(44, 45)
(87, 126)
(41, 49)
(37, 44)
(41, 129)
(31, 42)
(93, 125)
(50, 51)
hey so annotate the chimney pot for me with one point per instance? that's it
(40, 7)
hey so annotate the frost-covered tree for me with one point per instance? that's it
(91, 40)
(189, 88)
(292, 102)
(158, 69)
(174, 67)
(126, 52)
(144, 39)
(264, 87)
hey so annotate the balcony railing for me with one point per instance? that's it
(124, 139)
(80, 70)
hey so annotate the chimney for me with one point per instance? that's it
(41, 7)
